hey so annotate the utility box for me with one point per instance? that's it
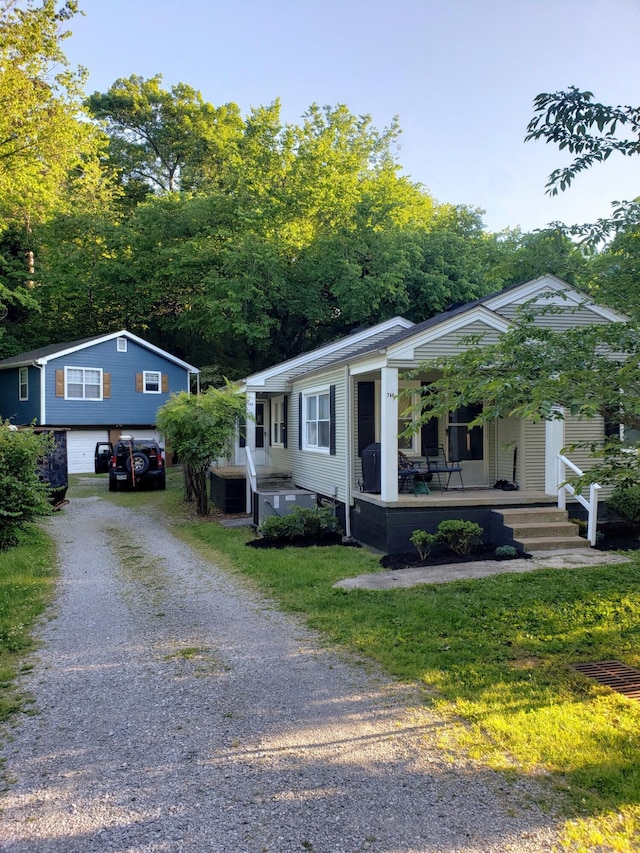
(266, 503)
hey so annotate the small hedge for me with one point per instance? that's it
(626, 502)
(301, 523)
(461, 537)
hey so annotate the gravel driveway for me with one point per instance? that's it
(180, 712)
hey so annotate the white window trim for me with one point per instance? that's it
(314, 448)
(273, 410)
(83, 399)
(145, 375)
(121, 344)
(23, 383)
(403, 385)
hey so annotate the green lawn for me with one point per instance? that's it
(494, 656)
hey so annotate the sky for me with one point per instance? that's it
(461, 76)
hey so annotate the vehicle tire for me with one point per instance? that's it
(139, 462)
(113, 486)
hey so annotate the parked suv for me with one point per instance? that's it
(136, 462)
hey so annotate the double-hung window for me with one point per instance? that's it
(152, 382)
(407, 416)
(23, 384)
(278, 425)
(317, 421)
(83, 383)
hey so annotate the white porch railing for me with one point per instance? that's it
(252, 483)
(590, 505)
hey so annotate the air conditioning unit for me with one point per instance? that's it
(266, 503)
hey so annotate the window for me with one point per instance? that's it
(23, 383)
(151, 381)
(83, 383)
(122, 345)
(278, 425)
(317, 421)
(407, 419)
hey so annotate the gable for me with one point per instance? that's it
(572, 306)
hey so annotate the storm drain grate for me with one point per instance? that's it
(618, 676)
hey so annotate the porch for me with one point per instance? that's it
(387, 526)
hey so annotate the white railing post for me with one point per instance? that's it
(251, 479)
(590, 505)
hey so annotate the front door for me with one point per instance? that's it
(466, 444)
(260, 456)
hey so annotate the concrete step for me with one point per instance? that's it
(552, 543)
(523, 515)
(550, 528)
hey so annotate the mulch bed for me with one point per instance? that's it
(618, 536)
(302, 542)
(441, 556)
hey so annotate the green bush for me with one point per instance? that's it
(626, 502)
(506, 552)
(301, 522)
(423, 542)
(462, 537)
(23, 496)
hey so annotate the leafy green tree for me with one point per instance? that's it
(23, 496)
(592, 132)
(201, 429)
(165, 140)
(532, 370)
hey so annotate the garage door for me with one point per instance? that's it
(81, 447)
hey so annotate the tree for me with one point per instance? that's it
(534, 372)
(200, 429)
(47, 148)
(23, 495)
(591, 131)
(166, 140)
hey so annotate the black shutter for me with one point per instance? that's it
(428, 432)
(332, 420)
(270, 424)
(300, 421)
(366, 415)
(285, 418)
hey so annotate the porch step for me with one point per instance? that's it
(539, 529)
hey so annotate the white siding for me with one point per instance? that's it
(531, 465)
(451, 344)
(319, 472)
(566, 319)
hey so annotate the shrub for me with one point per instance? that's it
(301, 522)
(506, 552)
(23, 495)
(626, 502)
(423, 542)
(462, 537)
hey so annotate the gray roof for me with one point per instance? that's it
(42, 352)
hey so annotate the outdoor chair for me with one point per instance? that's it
(442, 467)
(410, 478)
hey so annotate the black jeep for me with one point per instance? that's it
(136, 462)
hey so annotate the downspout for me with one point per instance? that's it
(348, 451)
(43, 395)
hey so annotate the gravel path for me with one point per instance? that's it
(180, 712)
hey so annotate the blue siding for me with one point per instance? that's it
(11, 407)
(126, 405)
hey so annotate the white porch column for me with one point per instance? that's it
(389, 434)
(553, 444)
(250, 441)
(250, 428)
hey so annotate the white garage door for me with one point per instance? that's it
(81, 448)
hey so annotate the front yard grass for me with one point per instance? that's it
(495, 656)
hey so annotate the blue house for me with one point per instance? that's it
(97, 387)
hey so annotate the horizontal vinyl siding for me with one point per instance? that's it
(566, 319)
(532, 465)
(451, 344)
(319, 472)
(576, 431)
(11, 407)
